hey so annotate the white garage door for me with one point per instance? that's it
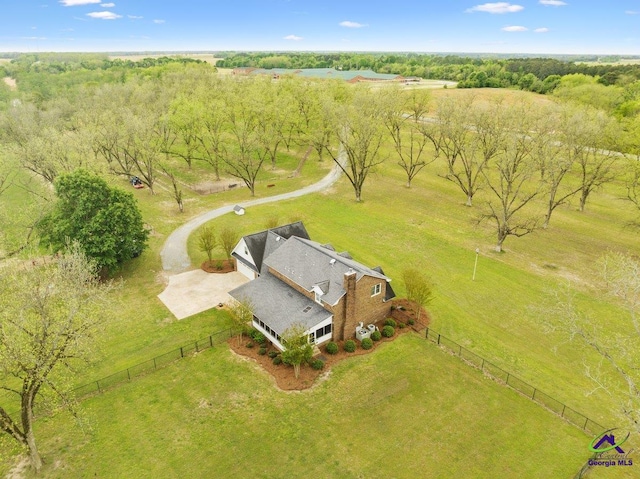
(245, 270)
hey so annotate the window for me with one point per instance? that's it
(375, 289)
(327, 329)
(307, 309)
(318, 298)
(312, 338)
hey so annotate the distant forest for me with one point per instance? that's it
(540, 75)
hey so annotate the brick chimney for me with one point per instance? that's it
(349, 325)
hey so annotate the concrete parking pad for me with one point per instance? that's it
(196, 291)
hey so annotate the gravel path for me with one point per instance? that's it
(175, 258)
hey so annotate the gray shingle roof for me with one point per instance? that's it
(257, 242)
(279, 305)
(308, 264)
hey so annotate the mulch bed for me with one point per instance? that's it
(218, 266)
(283, 374)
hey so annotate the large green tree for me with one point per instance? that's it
(106, 221)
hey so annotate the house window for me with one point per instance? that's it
(327, 329)
(375, 289)
(318, 298)
(312, 338)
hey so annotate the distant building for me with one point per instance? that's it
(350, 76)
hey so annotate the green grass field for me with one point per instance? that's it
(407, 410)
(214, 415)
(498, 316)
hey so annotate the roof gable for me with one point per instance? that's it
(257, 243)
(308, 264)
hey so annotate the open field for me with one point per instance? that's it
(387, 414)
(213, 414)
(207, 57)
(499, 315)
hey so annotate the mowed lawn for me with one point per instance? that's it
(406, 410)
(500, 315)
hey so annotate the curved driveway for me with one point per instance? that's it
(175, 258)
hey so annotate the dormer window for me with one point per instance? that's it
(318, 297)
(376, 289)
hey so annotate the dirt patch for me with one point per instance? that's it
(218, 266)
(283, 375)
(20, 469)
(211, 187)
(11, 82)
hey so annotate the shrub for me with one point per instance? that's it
(250, 344)
(376, 335)
(390, 322)
(219, 265)
(277, 360)
(317, 364)
(273, 354)
(388, 331)
(401, 325)
(262, 351)
(331, 348)
(411, 322)
(367, 343)
(257, 336)
(350, 345)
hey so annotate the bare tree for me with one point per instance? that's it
(588, 135)
(514, 182)
(360, 135)
(469, 136)
(49, 314)
(403, 118)
(615, 371)
(177, 192)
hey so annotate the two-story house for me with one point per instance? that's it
(296, 280)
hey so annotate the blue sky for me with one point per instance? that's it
(526, 26)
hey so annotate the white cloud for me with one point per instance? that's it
(107, 5)
(498, 7)
(553, 3)
(34, 38)
(541, 30)
(632, 12)
(349, 24)
(514, 28)
(158, 21)
(295, 38)
(104, 15)
(73, 3)
(134, 17)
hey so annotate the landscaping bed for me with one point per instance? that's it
(283, 374)
(218, 266)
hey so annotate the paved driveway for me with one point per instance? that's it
(196, 291)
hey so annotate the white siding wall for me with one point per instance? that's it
(242, 251)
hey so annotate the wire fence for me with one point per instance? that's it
(152, 364)
(570, 415)
(533, 393)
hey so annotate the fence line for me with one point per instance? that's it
(570, 415)
(152, 364)
(533, 393)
